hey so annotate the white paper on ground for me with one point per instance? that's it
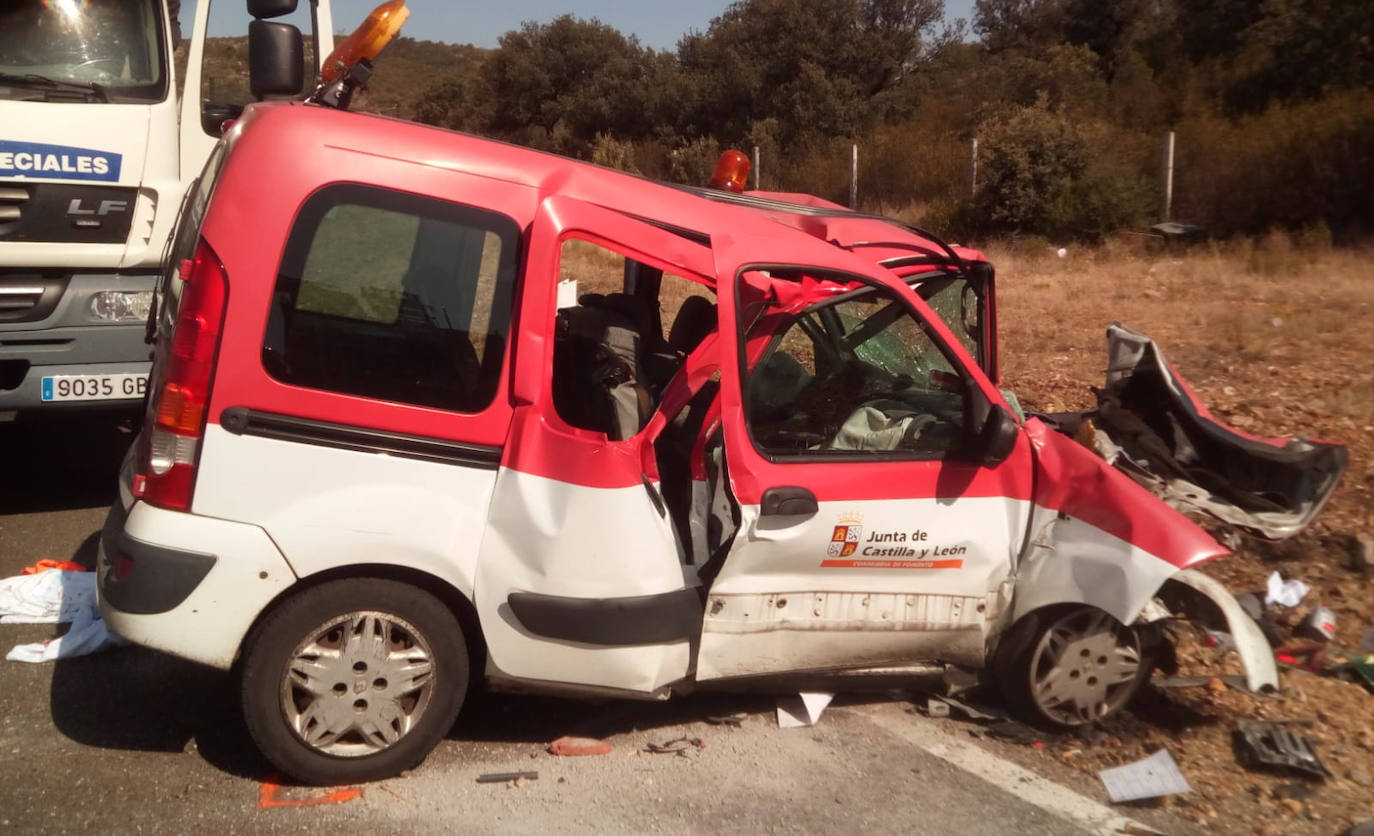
(1154, 776)
(46, 597)
(1287, 594)
(802, 710)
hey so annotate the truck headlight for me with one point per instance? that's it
(121, 305)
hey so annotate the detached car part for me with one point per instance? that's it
(1152, 426)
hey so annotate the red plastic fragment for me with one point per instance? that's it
(575, 746)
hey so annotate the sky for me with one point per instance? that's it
(656, 24)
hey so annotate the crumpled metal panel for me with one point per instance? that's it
(1152, 426)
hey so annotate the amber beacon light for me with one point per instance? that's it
(732, 172)
(367, 41)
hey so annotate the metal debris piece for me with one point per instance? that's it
(936, 708)
(1320, 624)
(1271, 746)
(734, 721)
(503, 777)
(683, 747)
(1233, 680)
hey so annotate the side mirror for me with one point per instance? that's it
(276, 59)
(997, 438)
(213, 115)
(991, 431)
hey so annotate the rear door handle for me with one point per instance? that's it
(788, 502)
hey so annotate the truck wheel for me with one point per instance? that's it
(1071, 666)
(353, 680)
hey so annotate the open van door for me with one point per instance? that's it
(581, 577)
(882, 490)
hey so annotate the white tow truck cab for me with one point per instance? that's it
(100, 136)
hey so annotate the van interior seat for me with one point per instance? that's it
(598, 374)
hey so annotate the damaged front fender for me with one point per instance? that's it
(1203, 599)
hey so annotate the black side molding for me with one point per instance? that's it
(243, 421)
(612, 622)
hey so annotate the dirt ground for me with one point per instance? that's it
(1275, 338)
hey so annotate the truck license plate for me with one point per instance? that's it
(93, 387)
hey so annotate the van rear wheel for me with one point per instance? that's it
(353, 680)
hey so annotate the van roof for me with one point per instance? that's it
(695, 213)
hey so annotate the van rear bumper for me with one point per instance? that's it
(184, 584)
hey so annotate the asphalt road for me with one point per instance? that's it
(131, 741)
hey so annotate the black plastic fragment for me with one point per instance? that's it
(1271, 746)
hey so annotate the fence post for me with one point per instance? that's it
(1166, 205)
(756, 168)
(973, 168)
(854, 178)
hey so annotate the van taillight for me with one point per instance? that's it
(171, 441)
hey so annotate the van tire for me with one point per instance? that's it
(1070, 666)
(330, 661)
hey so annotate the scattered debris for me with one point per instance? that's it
(1234, 681)
(505, 777)
(1010, 731)
(1149, 778)
(1219, 639)
(683, 747)
(936, 707)
(1319, 624)
(578, 746)
(1285, 593)
(1270, 745)
(734, 721)
(802, 710)
(1253, 604)
(976, 713)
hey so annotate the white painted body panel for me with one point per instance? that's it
(776, 607)
(1071, 562)
(327, 508)
(555, 538)
(211, 623)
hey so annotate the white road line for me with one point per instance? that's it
(1031, 788)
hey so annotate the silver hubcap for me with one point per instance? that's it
(1083, 667)
(357, 684)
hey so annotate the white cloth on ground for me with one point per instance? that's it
(50, 597)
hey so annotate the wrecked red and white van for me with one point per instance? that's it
(390, 454)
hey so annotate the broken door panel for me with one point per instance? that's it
(866, 537)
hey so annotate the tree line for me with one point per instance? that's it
(1272, 102)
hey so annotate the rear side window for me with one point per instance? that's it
(394, 296)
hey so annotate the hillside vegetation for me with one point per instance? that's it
(1272, 103)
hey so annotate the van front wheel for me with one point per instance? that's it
(353, 680)
(1072, 666)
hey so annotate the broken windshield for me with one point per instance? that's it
(87, 50)
(854, 373)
